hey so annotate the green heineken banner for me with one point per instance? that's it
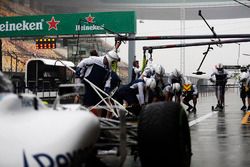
(68, 24)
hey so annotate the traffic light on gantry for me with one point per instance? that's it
(46, 43)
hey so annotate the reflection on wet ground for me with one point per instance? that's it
(221, 140)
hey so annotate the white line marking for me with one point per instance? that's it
(202, 118)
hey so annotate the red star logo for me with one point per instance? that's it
(90, 19)
(53, 23)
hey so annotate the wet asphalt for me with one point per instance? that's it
(218, 138)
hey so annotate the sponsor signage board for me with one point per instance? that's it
(68, 24)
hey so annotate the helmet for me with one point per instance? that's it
(188, 82)
(93, 53)
(112, 56)
(5, 84)
(159, 69)
(148, 71)
(243, 68)
(150, 83)
(244, 76)
(176, 73)
(219, 67)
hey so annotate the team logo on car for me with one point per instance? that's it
(45, 159)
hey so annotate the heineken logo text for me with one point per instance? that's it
(22, 26)
(88, 28)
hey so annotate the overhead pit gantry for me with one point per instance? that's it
(230, 38)
(215, 39)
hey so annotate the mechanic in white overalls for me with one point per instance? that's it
(134, 95)
(219, 77)
(156, 71)
(244, 91)
(174, 89)
(98, 71)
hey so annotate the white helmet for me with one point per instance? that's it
(176, 87)
(150, 83)
(159, 69)
(189, 82)
(244, 76)
(112, 56)
(176, 73)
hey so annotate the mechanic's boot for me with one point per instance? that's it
(217, 107)
(248, 108)
(243, 108)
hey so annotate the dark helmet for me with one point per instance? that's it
(219, 67)
(176, 73)
(93, 53)
(243, 68)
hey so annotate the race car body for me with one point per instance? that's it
(32, 134)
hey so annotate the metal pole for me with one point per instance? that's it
(238, 54)
(195, 44)
(182, 50)
(1, 56)
(131, 57)
(11, 65)
(174, 37)
(16, 63)
(36, 89)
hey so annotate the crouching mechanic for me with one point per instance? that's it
(161, 81)
(173, 89)
(134, 95)
(156, 71)
(98, 71)
(190, 92)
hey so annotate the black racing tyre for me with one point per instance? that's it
(164, 136)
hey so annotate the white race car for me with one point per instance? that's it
(32, 134)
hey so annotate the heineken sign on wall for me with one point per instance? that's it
(68, 24)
